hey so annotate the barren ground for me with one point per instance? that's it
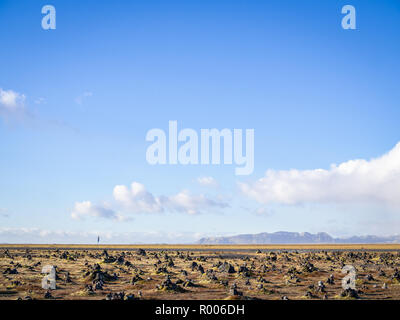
(199, 272)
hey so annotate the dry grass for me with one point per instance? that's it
(275, 268)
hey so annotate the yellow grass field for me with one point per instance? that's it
(205, 272)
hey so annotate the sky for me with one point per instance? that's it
(77, 102)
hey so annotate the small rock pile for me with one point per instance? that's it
(349, 293)
(168, 285)
(226, 267)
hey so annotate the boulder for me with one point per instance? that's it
(226, 267)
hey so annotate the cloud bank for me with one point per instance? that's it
(37, 235)
(358, 181)
(136, 199)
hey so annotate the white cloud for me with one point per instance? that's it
(207, 181)
(83, 96)
(359, 181)
(87, 209)
(191, 204)
(11, 101)
(138, 200)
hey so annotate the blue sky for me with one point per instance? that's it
(87, 93)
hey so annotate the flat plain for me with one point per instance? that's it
(207, 272)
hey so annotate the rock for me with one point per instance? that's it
(98, 275)
(115, 296)
(272, 257)
(369, 277)
(211, 275)
(226, 267)
(67, 277)
(308, 267)
(88, 289)
(188, 284)
(234, 292)
(141, 252)
(135, 279)
(396, 275)
(244, 270)
(7, 254)
(120, 260)
(200, 269)
(48, 295)
(321, 286)
(109, 259)
(162, 270)
(10, 271)
(168, 285)
(264, 268)
(128, 264)
(193, 265)
(350, 293)
(224, 283)
(130, 296)
(98, 284)
(262, 280)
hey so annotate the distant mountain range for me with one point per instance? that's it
(283, 237)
